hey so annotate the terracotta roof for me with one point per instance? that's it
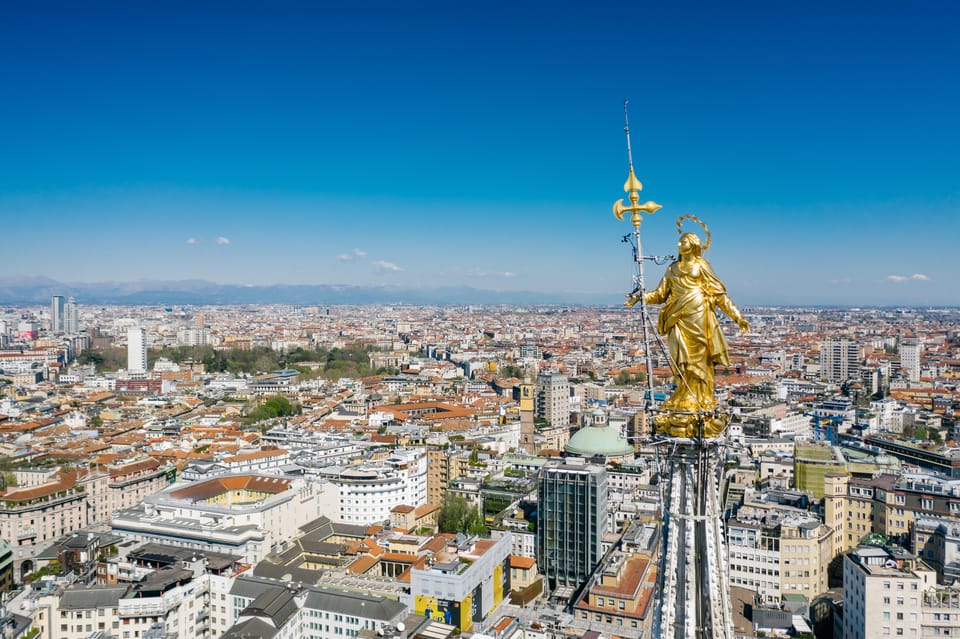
(362, 564)
(218, 486)
(27, 493)
(139, 466)
(525, 563)
(424, 510)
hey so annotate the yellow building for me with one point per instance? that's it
(847, 509)
(417, 519)
(523, 572)
(806, 549)
(443, 466)
(811, 462)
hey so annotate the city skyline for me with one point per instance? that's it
(429, 146)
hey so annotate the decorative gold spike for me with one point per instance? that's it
(632, 183)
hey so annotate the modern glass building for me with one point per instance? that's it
(571, 521)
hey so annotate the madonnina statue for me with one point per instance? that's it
(690, 293)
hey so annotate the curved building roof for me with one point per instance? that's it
(598, 440)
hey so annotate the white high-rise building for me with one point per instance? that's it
(137, 350)
(192, 336)
(71, 317)
(910, 358)
(553, 399)
(839, 360)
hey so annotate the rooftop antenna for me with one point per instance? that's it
(633, 187)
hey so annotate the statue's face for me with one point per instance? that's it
(689, 244)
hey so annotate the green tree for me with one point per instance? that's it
(275, 406)
(509, 370)
(458, 515)
(107, 359)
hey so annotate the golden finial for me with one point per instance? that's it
(632, 186)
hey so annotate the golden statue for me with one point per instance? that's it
(690, 293)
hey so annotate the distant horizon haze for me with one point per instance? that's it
(38, 290)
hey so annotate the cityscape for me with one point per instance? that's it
(230, 471)
(333, 322)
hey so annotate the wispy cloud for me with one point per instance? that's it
(192, 240)
(477, 272)
(387, 266)
(354, 254)
(222, 241)
(917, 277)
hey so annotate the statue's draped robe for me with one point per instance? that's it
(690, 293)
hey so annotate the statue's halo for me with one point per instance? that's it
(691, 216)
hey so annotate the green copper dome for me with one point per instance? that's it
(598, 440)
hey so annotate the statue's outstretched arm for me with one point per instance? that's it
(656, 296)
(727, 306)
(659, 295)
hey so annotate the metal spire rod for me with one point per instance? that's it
(633, 186)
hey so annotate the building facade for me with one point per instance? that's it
(839, 360)
(883, 591)
(56, 314)
(571, 521)
(137, 350)
(553, 399)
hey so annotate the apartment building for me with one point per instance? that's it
(937, 541)
(890, 505)
(883, 591)
(269, 609)
(839, 360)
(173, 592)
(443, 466)
(367, 493)
(553, 399)
(779, 553)
(33, 516)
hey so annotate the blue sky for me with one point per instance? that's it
(481, 143)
